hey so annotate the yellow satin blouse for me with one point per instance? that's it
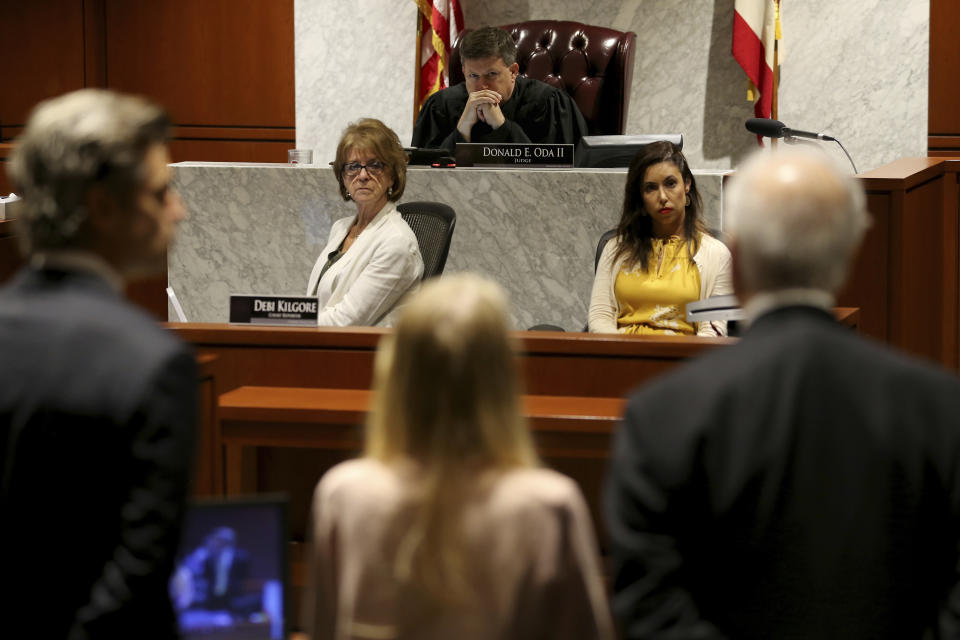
(654, 302)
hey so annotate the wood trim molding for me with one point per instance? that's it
(94, 43)
(234, 133)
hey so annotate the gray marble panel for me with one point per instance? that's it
(868, 84)
(353, 60)
(259, 229)
(856, 69)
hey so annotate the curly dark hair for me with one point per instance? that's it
(635, 230)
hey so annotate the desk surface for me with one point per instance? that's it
(298, 404)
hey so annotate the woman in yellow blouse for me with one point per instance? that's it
(662, 256)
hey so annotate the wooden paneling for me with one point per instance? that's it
(208, 458)
(573, 364)
(943, 121)
(905, 279)
(6, 185)
(215, 62)
(950, 246)
(232, 144)
(944, 91)
(916, 269)
(41, 54)
(94, 43)
(10, 259)
(868, 275)
(230, 150)
(224, 69)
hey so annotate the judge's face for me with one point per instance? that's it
(491, 74)
(664, 197)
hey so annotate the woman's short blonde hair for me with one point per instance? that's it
(369, 134)
(448, 400)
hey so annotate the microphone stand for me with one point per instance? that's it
(789, 139)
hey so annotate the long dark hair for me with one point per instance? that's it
(635, 230)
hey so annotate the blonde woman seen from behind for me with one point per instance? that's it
(447, 527)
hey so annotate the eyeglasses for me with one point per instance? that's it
(374, 168)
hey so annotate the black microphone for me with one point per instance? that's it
(776, 129)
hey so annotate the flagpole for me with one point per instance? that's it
(774, 99)
(416, 73)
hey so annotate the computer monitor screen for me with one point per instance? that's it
(230, 579)
(616, 151)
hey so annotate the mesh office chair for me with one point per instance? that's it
(600, 245)
(432, 223)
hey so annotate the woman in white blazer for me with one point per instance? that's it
(372, 259)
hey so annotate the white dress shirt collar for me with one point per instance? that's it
(766, 302)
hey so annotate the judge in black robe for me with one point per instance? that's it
(534, 112)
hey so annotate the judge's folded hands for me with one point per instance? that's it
(482, 106)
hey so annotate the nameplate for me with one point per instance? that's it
(513, 155)
(280, 310)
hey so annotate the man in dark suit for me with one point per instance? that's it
(97, 402)
(805, 482)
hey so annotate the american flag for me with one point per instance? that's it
(441, 21)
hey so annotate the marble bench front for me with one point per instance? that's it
(258, 228)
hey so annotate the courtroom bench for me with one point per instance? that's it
(575, 428)
(563, 426)
(294, 401)
(564, 367)
(568, 367)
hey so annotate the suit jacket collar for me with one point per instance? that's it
(776, 319)
(78, 261)
(38, 279)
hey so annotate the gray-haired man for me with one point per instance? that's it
(97, 403)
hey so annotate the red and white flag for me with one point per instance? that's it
(756, 26)
(441, 21)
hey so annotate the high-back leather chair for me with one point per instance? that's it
(592, 64)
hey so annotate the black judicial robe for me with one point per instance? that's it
(536, 112)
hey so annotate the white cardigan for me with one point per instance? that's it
(713, 263)
(362, 287)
